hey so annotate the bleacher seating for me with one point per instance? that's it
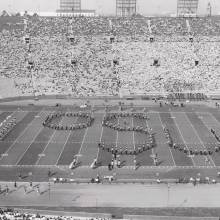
(183, 65)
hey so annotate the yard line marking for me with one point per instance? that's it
(201, 142)
(84, 136)
(118, 121)
(208, 127)
(64, 145)
(100, 139)
(213, 117)
(16, 140)
(152, 149)
(78, 142)
(133, 141)
(48, 142)
(63, 148)
(183, 139)
(217, 122)
(116, 141)
(174, 163)
(41, 128)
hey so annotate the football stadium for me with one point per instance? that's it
(110, 116)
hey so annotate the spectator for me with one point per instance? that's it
(53, 64)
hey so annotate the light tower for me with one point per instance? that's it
(69, 6)
(209, 9)
(30, 61)
(187, 8)
(126, 8)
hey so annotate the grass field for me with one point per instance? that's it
(31, 144)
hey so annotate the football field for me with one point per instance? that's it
(32, 144)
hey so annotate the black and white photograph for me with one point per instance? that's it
(109, 109)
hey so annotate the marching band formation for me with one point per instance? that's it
(107, 122)
(49, 121)
(116, 151)
(185, 149)
(150, 143)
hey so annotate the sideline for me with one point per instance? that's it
(101, 195)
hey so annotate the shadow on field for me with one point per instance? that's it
(138, 165)
(43, 192)
(37, 185)
(123, 163)
(11, 191)
(98, 164)
(30, 191)
(52, 174)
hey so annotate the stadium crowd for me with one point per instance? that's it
(106, 55)
(11, 214)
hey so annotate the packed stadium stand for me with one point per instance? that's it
(106, 55)
(11, 214)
